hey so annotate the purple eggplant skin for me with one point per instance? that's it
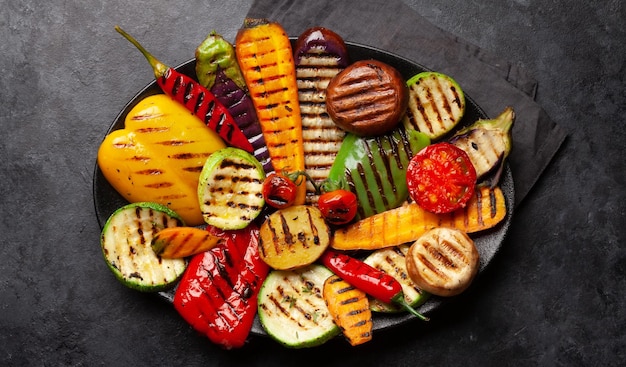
(322, 40)
(240, 106)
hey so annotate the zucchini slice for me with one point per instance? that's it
(292, 309)
(126, 244)
(436, 104)
(230, 189)
(392, 260)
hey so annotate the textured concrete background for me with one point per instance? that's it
(553, 296)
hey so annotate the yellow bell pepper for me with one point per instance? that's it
(159, 155)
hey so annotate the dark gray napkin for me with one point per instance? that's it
(491, 82)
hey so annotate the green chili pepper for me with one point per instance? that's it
(374, 168)
(216, 53)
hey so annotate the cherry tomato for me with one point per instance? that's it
(441, 178)
(279, 191)
(338, 206)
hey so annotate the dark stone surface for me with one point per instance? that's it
(552, 297)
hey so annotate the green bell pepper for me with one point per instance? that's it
(374, 168)
(216, 53)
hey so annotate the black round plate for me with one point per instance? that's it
(107, 200)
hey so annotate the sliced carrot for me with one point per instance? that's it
(265, 58)
(407, 223)
(178, 242)
(349, 308)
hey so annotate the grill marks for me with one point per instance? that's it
(388, 154)
(184, 157)
(293, 237)
(267, 64)
(370, 101)
(436, 104)
(443, 261)
(485, 148)
(235, 189)
(350, 309)
(127, 246)
(321, 137)
(292, 306)
(392, 260)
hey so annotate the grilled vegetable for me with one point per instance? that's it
(266, 60)
(367, 98)
(375, 168)
(319, 54)
(241, 108)
(218, 295)
(158, 156)
(293, 237)
(436, 104)
(230, 189)
(370, 280)
(279, 190)
(338, 206)
(292, 309)
(486, 209)
(213, 55)
(179, 242)
(349, 308)
(443, 261)
(487, 143)
(197, 99)
(441, 178)
(125, 242)
(392, 260)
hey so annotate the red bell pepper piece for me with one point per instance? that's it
(217, 295)
(196, 98)
(370, 280)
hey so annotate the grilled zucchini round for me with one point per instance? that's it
(436, 104)
(392, 260)
(292, 309)
(126, 244)
(230, 190)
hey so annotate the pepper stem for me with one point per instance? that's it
(399, 300)
(159, 68)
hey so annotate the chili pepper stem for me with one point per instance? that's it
(399, 300)
(159, 68)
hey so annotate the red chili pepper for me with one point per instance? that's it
(370, 280)
(217, 295)
(196, 98)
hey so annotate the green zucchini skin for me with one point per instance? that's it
(436, 104)
(126, 245)
(292, 309)
(392, 260)
(230, 189)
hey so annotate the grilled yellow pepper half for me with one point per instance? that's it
(158, 156)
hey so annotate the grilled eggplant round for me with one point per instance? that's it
(367, 98)
(443, 261)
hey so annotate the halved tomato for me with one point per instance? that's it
(441, 178)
